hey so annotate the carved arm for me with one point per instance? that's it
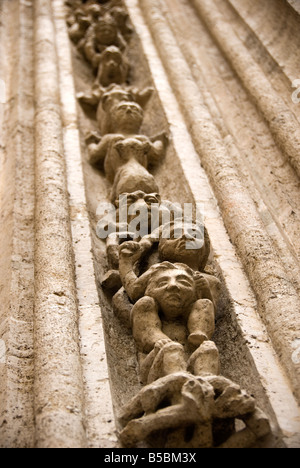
(130, 254)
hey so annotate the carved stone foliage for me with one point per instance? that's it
(162, 291)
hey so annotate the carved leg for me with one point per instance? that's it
(230, 400)
(201, 322)
(150, 397)
(184, 407)
(257, 427)
(146, 324)
(185, 402)
(167, 360)
(122, 307)
(205, 360)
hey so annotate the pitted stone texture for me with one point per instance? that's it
(187, 412)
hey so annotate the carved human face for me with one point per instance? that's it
(139, 204)
(183, 245)
(112, 59)
(128, 116)
(111, 68)
(115, 96)
(106, 32)
(174, 290)
(94, 10)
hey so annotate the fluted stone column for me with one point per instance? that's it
(223, 73)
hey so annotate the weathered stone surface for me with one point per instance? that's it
(149, 338)
(188, 410)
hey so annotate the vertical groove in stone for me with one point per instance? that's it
(244, 305)
(278, 300)
(270, 192)
(58, 374)
(282, 122)
(99, 417)
(17, 227)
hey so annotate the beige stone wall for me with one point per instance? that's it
(223, 73)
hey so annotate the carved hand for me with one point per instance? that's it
(96, 60)
(201, 282)
(130, 250)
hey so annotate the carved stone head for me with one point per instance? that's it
(113, 68)
(115, 94)
(131, 204)
(79, 13)
(185, 242)
(127, 117)
(174, 287)
(132, 148)
(122, 19)
(106, 30)
(111, 96)
(95, 11)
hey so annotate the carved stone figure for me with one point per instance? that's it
(95, 11)
(171, 302)
(110, 98)
(137, 215)
(126, 155)
(129, 205)
(165, 295)
(173, 314)
(169, 243)
(122, 18)
(184, 411)
(103, 100)
(128, 164)
(80, 26)
(183, 241)
(113, 67)
(104, 33)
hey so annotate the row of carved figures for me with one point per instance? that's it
(160, 288)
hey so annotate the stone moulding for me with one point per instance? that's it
(58, 374)
(17, 226)
(99, 426)
(102, 150)
(137, 341)
(233, 199)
